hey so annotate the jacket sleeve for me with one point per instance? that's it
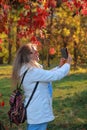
(55, 68)
(42, 75)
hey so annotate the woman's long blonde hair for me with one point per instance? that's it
(22, 57)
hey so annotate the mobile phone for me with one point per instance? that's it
(64, 53)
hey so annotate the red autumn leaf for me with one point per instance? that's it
(52, 3)
(52, 51)
(0, 41)
(84, 11)
(2, 103)
(23, 21)
(22, 1)
(21, 34)
(27, 7)
(77, 4)
(39, 22)
(46, 5)
(42, 12)
(6, 7)
(35, 41)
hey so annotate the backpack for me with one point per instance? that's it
(17, 112)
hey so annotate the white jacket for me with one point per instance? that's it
(40, 107)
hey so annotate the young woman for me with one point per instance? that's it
(39, 111)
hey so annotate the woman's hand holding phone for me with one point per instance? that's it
(62, 62)
(66, 57)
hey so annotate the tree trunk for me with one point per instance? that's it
(9, 53)
(48, 57)
(17, 40)
(49, 32)
(1, 60)
(9, 45)
(75, 55)
(42, 51)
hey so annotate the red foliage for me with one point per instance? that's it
(34, 40)
(6, 7)
(39, 20)
(84, 11)
(27, 7)
(52, 51)
(24, 19)
(23, 1)
(32, 23)
(2, 104)
(51, 3)
(0, 41)
(80, 5)
(36, 20)
(3, 21)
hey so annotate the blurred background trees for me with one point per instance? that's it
(50, 24)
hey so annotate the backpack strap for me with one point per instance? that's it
(22, 79)
(33, 89)
(32, 94)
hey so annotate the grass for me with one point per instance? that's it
(69, 100)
